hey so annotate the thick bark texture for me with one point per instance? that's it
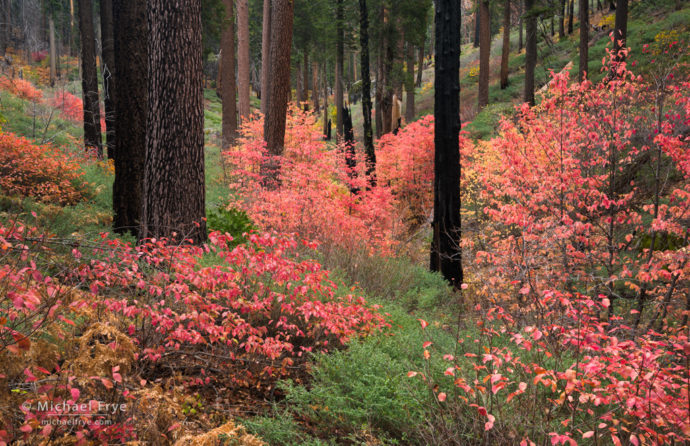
(340, 38)
(505, 53)
(174, 186)
(227, 76)
(484, 53)
(265, 56)
(366, 91)
(281, 45)
(584, 40)
(530, 51)
(131, 59)
(243, 57)
(446, 255)
(89, 81)
(108, 71)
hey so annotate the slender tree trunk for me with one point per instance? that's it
(339, 68)
(484, 54)
(621, 31)
(366, 92)
(553, 28)
(315, 86)
(505, 53)
(53, 51)
(72, 30)
(378, 96)
(584, 40)
(174, 186)
(561, 19)
(409, 85)
(477, 26)
(131, 58)
(89, 82)
(108, 72)
(227, 76)
(326, 120)
(446, 255)
(274, 125)
(420, 65)
(265, 55)
(521, 39)
(305, 76)
(571, 16)
(243, 57)
(531, 51)
(299, 88)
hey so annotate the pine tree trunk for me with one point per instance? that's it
(315, 86)
(227, 75)
(131, 58)
(108, 71)
(445, 255)
(621, 31)
(561, 19)
(53, 51)
(420, 65)
(243, 58)
(505, 53)
(521, 40)
(265, 55)
(477, 26)
(571, 16)
(339, 60)
(89, 82)
(584, 40)
(305, 77)
(326, 123)
(378, 96)
(299, 88)
(274, 123)
(484, 54)
(531, 51)
(409, 85)
(366, 92)
(5, 6)
(174, 182)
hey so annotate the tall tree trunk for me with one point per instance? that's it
(420, 65)
(446, 255)
(315, 86)
(477, 26)
(108, 72)
(561, 19)
(531, 51)
(305, 77)
(274, 124)
(409, 85)
(53, 51)
(571, 16)
(339, 68)
(505, 53)
(326, 120)
(243, 57)
(620, 34)
(584, 40)
(89, 82)
(378, 96)
(5, 6)
(366, 92)
(227, 75)
(521, 40)
(265, 55)
(484, 53)
(131, 57)
(174, 186)
(299, 88)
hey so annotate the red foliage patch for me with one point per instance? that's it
(21, 88)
